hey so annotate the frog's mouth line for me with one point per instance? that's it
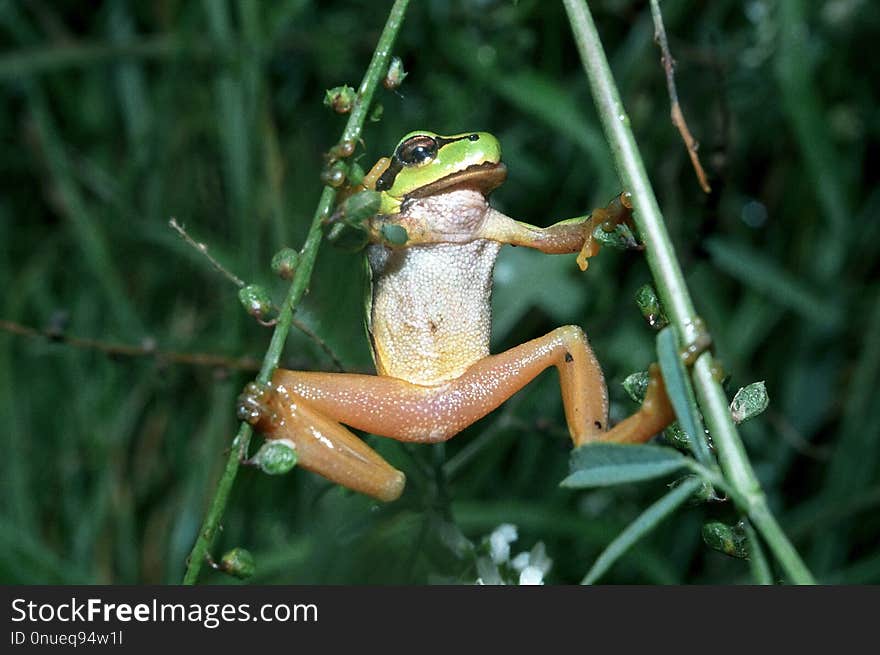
(486, 177)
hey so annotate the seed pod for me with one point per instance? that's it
(284, 263)
(340, 99)
(728, 539)
(649, 305)
(342, 149)
(677, 437)
(749, 401)
(276, 457)
(636, 385)
(334, 175)
(257, 302)
(395, 75)
(238, 562)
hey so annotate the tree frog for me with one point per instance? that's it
(428, 321)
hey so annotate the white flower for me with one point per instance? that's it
(496, 568)
(499, 542)
(531, 575)
(532, 566)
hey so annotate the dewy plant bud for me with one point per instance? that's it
(340, 99)
(636, 385)
(238, 562)
(727, 539)
(257, 302)
(649, 305)
(284, 263)
(395, 75)
(276, 457)
(749, 401)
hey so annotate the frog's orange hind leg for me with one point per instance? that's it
(655, 414)
(307, 408)
(409, 412)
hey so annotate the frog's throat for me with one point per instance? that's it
(486, 177)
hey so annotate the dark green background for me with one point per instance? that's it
(116, 116)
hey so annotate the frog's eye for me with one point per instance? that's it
(417, 150)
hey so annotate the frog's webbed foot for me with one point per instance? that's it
(615, 219)
(321, 443)
(254, 406)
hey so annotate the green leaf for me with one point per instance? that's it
(681, 394)
(647, 521)
(604, 464)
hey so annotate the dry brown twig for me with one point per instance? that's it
(146, 349)
(675, 110)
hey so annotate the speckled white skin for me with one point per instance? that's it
(430, 317)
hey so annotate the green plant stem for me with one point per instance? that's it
(758, 563)
(375, 72)
(673, 291)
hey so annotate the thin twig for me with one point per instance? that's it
(239, 450)
(203, 249)
(306, 330)
(237, 281)
(676, 113)
(146, 349)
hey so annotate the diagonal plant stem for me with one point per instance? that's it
(674, 293)
(375, 72)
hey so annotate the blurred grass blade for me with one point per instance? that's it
(762, 274)
(88, 232)
(794, 71)
(681, 395)
(854, 462)
(130, 82)
(647, 521)
(604, 464)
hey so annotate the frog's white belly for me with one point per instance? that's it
(431, 310)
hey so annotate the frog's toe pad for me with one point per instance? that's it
(252, 406)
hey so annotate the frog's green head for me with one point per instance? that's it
(425, 163)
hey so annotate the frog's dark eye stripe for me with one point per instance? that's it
(386, 180)
(415, 151)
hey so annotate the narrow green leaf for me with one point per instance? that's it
(603, 464)
(681, 394)
(647, 521)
